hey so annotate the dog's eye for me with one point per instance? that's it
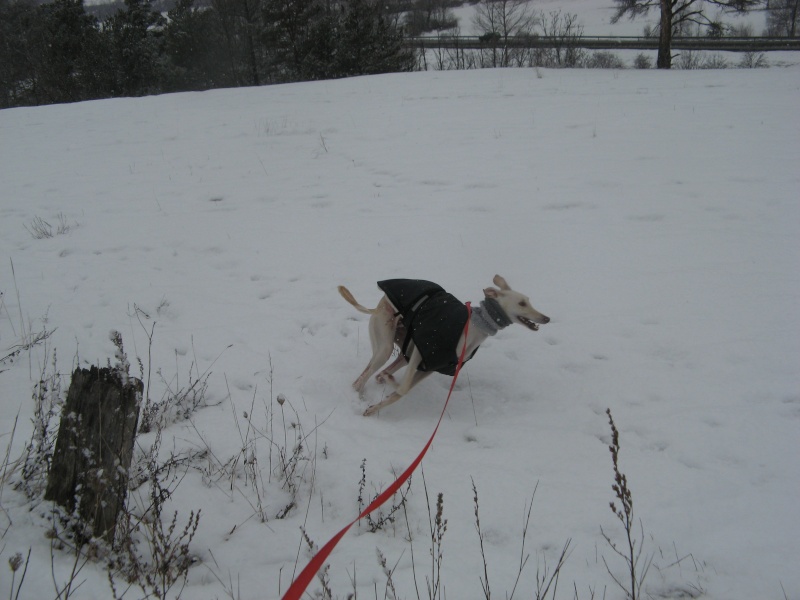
(522, 303)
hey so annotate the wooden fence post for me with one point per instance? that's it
(94, 448)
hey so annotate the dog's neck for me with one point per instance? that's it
(490, 317)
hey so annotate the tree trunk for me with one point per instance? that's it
(664, 60)
(93, 452)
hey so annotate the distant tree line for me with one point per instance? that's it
(57, 52)
(61, 52)
(783, 18)
(680, 16)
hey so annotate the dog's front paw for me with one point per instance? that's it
(371, 411)
(384, 378)
(359, 390)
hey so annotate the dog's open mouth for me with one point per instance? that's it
(528, 323)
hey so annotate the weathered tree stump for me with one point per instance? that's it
(94, 447)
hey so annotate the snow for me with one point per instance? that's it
(652, 215)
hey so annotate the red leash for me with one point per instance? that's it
(297, 588)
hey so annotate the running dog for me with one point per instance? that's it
(427, 325)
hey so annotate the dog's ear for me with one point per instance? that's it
(491, 292)
(501, 283)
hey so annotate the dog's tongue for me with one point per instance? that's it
(529, 324)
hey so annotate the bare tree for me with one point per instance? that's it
(674, 14)
(428, 15)
(497, 20)
(240, 23)
(564, 30)
(782, 18)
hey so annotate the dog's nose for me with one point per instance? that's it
(545, 319)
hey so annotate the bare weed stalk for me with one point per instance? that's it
(178, 402)
(685, 589)
(323, 575)
(382, 519)
(487, 592)
(41, 229)
(231, 591)
(291, 457)
(34, 464)
(7, 468)
(523, 557)
(73, 537)
(636, 565)
(438, 527)
(166, 561)
(248, 457)
(389, 592)
(27, 338)
(294, 457)
(14, 563)
(546, 578)
(145, 418)
(25, 345)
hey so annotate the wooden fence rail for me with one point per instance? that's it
(730, 44)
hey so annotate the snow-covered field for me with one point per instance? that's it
(653, 215)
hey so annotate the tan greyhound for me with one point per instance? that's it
(390, 324)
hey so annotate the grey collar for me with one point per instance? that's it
(490, 317)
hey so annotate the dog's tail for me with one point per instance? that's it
(351, 299)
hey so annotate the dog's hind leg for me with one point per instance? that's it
(379, 358)
(382, 325)
(387, 375)
(411, 378)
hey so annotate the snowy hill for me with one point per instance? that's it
(653, 216)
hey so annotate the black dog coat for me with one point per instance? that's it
(433, 319)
